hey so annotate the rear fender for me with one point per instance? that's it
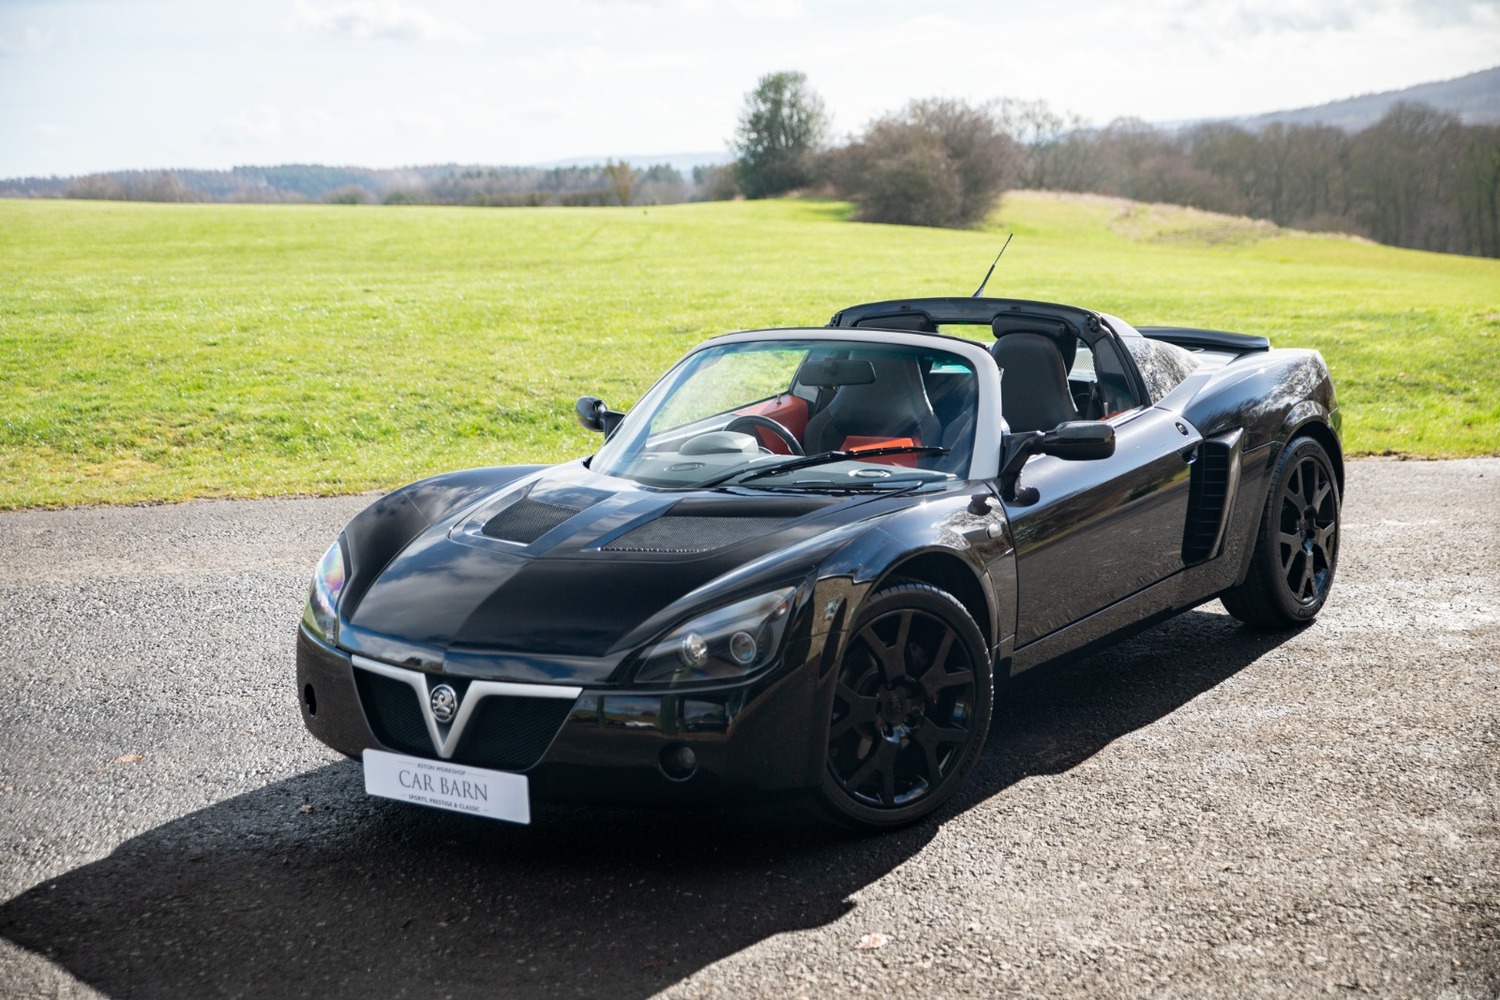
(1312, 419)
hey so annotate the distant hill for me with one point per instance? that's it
(683, 163)
(1475, 99)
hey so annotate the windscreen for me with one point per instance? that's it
(800, 414)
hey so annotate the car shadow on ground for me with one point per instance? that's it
(256, 896)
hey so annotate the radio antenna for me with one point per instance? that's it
(980, 290)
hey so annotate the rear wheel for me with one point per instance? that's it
(911, 709)
(1297, 548)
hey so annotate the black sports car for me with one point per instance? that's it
(801, 563)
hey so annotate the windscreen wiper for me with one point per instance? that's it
(821, 458)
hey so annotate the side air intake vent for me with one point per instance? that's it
(1215, 479)
(526, 520)
(686, 535)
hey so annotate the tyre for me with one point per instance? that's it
(912, 706)
(1297, 547)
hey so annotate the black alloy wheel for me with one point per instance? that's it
(1297, 549)
(911, 708)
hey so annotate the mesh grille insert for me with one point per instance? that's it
(511, 733)
(526, 520)
(394, 713)
(1207, 491)
(691, 534)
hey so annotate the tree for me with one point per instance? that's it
(938, 162)
(351, 194)
(1402, 177)
(715, 182)
(1479, 190)
(781, 126)
(621, 178)
(1046, 136)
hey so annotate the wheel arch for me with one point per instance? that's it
(1324, 435)
(949, 572)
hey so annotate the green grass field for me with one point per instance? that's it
(158, 352)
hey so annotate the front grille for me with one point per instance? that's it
(504, 731)
(526, 520)
(395, 714)
(691, 534)
(511, 733)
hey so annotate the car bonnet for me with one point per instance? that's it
(568, 566)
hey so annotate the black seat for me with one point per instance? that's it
(895, 405)
(1034, 394)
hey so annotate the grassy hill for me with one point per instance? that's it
(157, 352)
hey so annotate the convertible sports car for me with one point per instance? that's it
(805, 560)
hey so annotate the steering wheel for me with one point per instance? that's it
(756, 420)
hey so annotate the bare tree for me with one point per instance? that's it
(1044, 136)
(621, 178)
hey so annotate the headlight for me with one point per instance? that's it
(321, 612)
(733, 641)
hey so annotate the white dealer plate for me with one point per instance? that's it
(445, 785)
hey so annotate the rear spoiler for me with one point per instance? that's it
(1211, 340)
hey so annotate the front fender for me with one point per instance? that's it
(945, 545)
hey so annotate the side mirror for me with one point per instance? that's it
(1079, 440)
(590, 410)
(593, 415)
(1072, 440)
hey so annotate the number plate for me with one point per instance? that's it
(445, 785)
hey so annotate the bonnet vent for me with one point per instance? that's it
(528, 519)
(697, 525)
(679, 534)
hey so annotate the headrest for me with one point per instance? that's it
(1017, 323)
(1057, 330)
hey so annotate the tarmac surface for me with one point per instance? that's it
(1200, 811)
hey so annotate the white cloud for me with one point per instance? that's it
(333, 81)
(362, 20)
(771, 10)
(1451, 12)
(28, 39)
(593, 61)
(248, 126)
(49, 131)
(751, 10)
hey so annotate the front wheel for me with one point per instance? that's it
(1297, 547)
(914, 696)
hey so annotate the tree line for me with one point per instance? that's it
(612, 183)
(1417, 178)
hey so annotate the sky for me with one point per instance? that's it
(91, 85)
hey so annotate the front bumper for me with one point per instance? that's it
(762, 737)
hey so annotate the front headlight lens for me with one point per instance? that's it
(730, 642)
(320, 614)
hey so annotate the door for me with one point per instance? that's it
(1104, 529)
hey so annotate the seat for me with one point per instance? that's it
(893, 407)
(1034, 394)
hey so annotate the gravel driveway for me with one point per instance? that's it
(1201, 811)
